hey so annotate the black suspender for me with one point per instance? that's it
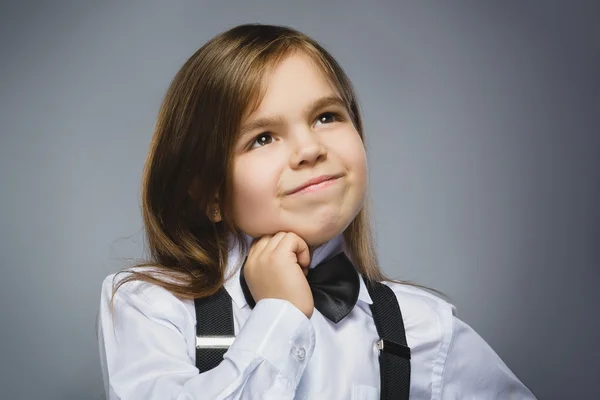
(394, 354)
(214, 329)
(215, 333)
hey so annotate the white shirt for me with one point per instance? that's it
(148, 352)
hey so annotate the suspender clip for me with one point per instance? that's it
(214, 342)
(397, 349)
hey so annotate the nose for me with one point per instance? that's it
(308, 150)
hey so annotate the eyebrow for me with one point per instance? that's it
(279, 120)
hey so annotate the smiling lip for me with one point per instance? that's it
(314, 181)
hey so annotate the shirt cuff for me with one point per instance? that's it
(280, 333)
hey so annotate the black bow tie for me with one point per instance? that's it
(334, 284)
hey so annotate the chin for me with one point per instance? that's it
(319, 234)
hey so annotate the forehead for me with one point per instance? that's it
(294, 81)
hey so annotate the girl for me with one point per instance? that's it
(254, 192)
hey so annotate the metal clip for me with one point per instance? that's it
(214, 342)
(394, 348)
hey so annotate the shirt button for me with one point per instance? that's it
(300, 354)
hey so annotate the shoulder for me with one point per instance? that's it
(417, 303)
(429, 326)
(143, 299)
(125, 291)
(428, 319)
(461, 363)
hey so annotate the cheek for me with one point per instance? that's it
(249, 182)
(253, 186)
(352, 153)
(360, 168)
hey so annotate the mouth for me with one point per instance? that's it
(316, 183)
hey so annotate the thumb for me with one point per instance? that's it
(302, 253)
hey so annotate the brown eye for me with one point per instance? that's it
(261, 140)
(328, 117)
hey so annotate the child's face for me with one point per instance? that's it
(299, 143)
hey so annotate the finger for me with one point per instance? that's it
(299, 247)
(259, 245)
(274, 242)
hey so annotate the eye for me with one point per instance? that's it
(329, 117)
(261, 140)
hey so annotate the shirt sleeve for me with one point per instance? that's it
(144, 354)
(474, 371)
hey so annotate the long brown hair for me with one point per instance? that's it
(188, 164)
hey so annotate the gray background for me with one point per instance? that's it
(482, 125)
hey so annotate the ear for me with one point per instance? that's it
(213, 211)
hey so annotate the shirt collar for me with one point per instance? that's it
(236, 258)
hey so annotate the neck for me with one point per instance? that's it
(326, 250)
(317, 253)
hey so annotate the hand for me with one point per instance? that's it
(276, 268)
